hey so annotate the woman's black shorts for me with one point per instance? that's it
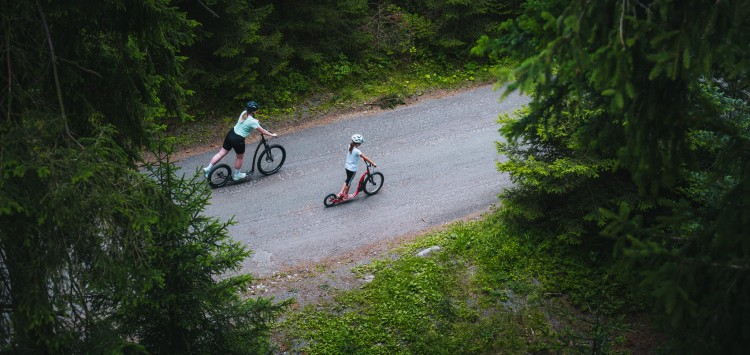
(234, 141)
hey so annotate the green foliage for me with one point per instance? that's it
(288, 53)
(70, 231)
(447, 29)
(230, 52)
(649, 103)
(334, 73)
(62, 57)
(387, 91)
(695, 246)
(487, 291)
(74, 214)
(195, 307)
(632, 48)
(562, 177)
(87, 241)
(85, 273)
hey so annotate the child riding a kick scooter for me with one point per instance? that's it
(352, 161)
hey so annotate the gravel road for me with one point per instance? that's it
(439, 161)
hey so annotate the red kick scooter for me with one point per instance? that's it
(371, 182)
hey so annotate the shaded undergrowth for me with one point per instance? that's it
(389, 90)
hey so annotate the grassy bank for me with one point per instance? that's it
(391, 89)
(487, 289)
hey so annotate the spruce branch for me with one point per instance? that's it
(55, 74)
(207, 8)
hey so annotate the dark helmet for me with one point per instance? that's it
(252, 106)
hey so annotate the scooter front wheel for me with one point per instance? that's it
(373, 183)
(271, 160)
(330, 200)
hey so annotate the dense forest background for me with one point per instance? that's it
(634, 155)
(281, 51)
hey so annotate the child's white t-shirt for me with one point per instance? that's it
(352, 159)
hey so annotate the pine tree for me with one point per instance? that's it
(664, 90)
(84, 234)
(196, 307)
(81, 81)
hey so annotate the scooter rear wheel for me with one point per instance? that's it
(219, 175)
(330, 200)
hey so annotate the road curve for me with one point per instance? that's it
(439, 161)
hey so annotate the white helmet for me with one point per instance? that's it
(357, 138)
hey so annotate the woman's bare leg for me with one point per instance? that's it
(218, 156)
(238, 161)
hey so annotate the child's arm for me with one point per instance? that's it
(368, 160)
